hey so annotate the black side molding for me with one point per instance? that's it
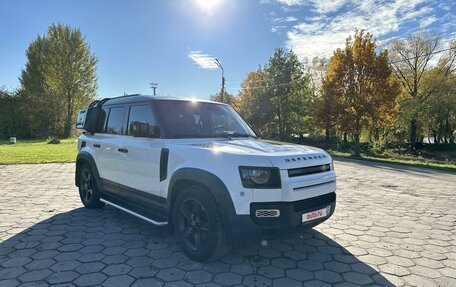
(164, 163)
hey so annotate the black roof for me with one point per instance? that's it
(138, 98)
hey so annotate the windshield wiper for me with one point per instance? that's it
(239, 135)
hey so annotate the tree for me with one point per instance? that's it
(254, 102)
(411, 59)
(7, 112)
(59, 79)
(275, 98)
(361, 84)
(322, 107)
(227, 98)
(439, 112)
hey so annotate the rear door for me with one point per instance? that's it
(141, 168)
(110, 155)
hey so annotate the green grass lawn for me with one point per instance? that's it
(37, 151)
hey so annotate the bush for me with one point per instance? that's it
(54, 141)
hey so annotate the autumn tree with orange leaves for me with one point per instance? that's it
(360, 88)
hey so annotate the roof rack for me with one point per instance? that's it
(98, 103)
(126, 96)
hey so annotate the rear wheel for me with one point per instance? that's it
(88, 189)
(198, 226)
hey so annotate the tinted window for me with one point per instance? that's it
(102, 117)
(116, 121)
(184, 119)
(142, 117)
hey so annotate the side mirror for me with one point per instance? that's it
(144, 129)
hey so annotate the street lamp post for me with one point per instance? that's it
(217, 62)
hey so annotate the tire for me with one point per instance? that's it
(198, 226)
(88, 189)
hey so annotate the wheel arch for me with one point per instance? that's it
(187, 176)
(86, 158)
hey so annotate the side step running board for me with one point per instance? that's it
(159, 223)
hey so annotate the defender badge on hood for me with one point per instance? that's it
(310, 157)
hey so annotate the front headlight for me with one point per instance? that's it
(260, 177)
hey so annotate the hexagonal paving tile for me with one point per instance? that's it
(364, 243)
(171, 274)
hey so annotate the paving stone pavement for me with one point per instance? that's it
(392, 226)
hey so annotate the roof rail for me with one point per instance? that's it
(126, 96)
(98, 103)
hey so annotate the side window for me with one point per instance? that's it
(103, 116)
(116, 121)
(141, 121)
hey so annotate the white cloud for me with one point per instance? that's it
(320, 34)
(427, 22)
(204, 61)
(285, 19)
(291, 2)
(319, 6)
(324, 7)
(278, 28)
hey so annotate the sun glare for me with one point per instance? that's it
(207, 6)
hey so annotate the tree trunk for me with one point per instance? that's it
(413, 129)
(69, 117)
(327, 136)
(279, 115)
(357, 151)
(345, 137)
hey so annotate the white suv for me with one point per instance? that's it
(198, 166)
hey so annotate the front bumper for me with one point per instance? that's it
(289, 220)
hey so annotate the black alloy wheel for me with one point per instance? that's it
(194, 224)
(88, 190)
(198, 225)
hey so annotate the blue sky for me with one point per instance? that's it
(174, 42)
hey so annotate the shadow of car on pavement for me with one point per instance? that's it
(112, 248)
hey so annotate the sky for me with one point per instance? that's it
(175, 42)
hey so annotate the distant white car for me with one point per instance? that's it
(199, 167)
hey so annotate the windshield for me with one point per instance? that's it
(187, 119)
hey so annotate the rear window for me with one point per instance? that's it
(143, 116)
(102, 117)
(116, 121)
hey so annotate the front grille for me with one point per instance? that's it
(311, 203)
(308, 170)
(267, 213)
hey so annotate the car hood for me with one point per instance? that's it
(280, 154)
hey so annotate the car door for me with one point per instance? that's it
(110, 155)
(141, 168)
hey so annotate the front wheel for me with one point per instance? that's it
(88, 189)
(198, 226)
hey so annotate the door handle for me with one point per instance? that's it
(96, 145)
(124, 150)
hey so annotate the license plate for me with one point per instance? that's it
(316, 214)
